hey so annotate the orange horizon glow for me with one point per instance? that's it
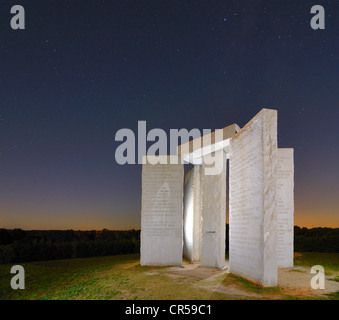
(301, 219)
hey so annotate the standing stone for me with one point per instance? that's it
(192, 214)
(162, 214)
(253, 221)
(213, 212)
(285, 207)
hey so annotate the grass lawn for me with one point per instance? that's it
(121, 277)
(330, 261)
(112, 277)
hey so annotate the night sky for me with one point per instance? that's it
(81, 70)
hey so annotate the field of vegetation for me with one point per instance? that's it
(122, 277)
(105, 265)
(17, 246)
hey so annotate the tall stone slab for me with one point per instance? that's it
(253, 220)
(213, 212)
(285, 207)
(192, 214)
(161, 213)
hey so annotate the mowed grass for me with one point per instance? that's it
(330, 261)
(122, 277)
(114, 277)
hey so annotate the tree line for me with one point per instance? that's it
(310, 240)
(22, 246)
(316, 239)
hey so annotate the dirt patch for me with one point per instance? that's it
(297, 281)
(196, 272)
(291, 282)
(297, 254)
(132, 266)
(151, 273)
(210, 279)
